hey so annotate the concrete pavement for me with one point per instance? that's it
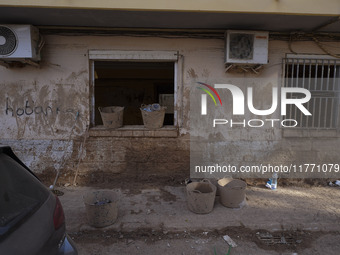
(165, 209)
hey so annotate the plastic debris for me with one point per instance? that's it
(229, 249)
(151, 107)
(147, 108)
(272, 183)
(155, 107)
(336, 183)
(102, 202)
(274, 180)
(229, 241)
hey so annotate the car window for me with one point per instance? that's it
(21, 194)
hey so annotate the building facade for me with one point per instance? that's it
(124, 54)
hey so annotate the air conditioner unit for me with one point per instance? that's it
(246, 47)
(19, 42)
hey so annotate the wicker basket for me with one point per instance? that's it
(112, 116)
(154, 119)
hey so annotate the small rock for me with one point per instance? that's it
(168, 245)
(265, 235)
(283, 240)
(129, 241)
(67, 184)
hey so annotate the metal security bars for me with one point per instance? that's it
(321, 77)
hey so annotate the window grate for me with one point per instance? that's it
(321, 78)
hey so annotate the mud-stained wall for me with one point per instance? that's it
(45, 111)
(46, 102)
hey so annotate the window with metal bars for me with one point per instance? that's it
(321, 77)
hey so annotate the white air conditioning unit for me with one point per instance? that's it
(246, 47)
(19, 43)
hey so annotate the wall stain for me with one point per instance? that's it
(192, 74)
(206, 73)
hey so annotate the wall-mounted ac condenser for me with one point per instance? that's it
(19, 42)
(246, 47)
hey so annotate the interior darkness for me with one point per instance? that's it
(131, 84)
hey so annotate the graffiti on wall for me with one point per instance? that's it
(28, 109)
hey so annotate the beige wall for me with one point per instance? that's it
(61, 86)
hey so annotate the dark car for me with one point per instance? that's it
(32, 220)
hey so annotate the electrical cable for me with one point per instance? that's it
(324, 49)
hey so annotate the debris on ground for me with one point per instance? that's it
(335, 184)
(57, 192)
(229, 241)
(102, 202)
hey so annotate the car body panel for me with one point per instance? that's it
(26, 212)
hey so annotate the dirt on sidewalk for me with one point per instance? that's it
(146, 241)
(154, 219)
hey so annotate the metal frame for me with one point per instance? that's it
(325, 90)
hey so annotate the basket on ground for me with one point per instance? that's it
(201, 196)
(232, 192)
(101, 207)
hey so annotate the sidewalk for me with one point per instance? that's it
(164, 210)
(315, 208)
